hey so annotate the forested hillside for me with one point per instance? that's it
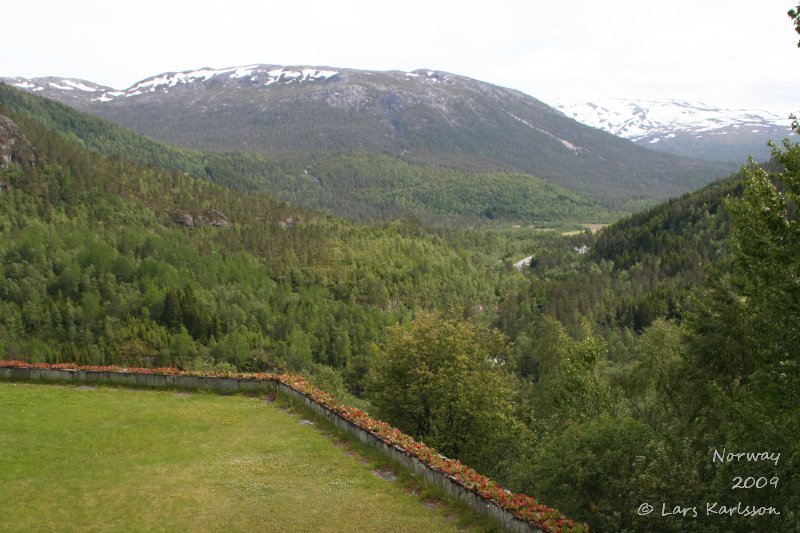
(363, 186)
(599, 379)
(671, 343)
(633, 272)
(105, 260)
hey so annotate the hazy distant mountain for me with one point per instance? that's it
(423, 115)
(690, 129)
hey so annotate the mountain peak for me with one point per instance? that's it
(255, 74)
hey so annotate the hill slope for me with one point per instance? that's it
(364, 186)
(423, 115)
(632, 272)
(104, 259)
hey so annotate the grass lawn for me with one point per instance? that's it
(105, 458)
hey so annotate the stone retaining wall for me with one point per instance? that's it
(444, 482)
(447, 484)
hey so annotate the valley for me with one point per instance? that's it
(577, 317)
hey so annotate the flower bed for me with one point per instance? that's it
(524, 507)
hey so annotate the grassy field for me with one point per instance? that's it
(77, 458)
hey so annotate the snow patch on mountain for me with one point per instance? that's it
(249, 73)
(80, 86)
(566, 143)
(243, 72)
(289, 75)
(61, 87)
(172, 79)
(433, 76)
(59, 84)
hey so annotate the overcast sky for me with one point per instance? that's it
(734, 53)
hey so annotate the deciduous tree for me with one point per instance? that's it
(443, 381)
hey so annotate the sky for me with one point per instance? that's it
(730, 53)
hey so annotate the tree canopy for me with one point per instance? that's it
(794, 14)
(445, 381)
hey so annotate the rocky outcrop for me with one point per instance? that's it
(214, 218)
(217, 219)
(14, 148)
(183, 219)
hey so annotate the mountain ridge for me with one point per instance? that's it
(357, 185)
(424, 115)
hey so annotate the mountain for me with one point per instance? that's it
(362, 186)
(109, 261)
(690, 129)
(424, 115)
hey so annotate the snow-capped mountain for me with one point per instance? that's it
(68, 90)
(424, 115)
(252, 74)
(692, 129)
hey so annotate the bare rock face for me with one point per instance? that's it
(218, 220)
(13, 146)
(183, 219)
(214, 219)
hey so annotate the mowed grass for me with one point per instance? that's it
(120, 459)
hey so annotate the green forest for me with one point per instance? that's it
(602, 377)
